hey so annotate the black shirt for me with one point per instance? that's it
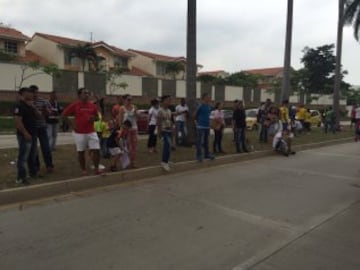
(239, 118)
(28, 114)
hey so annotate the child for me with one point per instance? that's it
(117, 146)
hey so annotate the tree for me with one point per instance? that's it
(38, 69)
(285, 89)
(174, 68)
(85, 53)
(191, 67)
(112, 77)
(352, 16)
(243, 79)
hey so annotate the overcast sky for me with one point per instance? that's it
(233, 35)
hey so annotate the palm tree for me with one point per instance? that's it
(285, 89)
(191, 68)
(352, 15)
(174, 68)
(85, 53)
(338, 75)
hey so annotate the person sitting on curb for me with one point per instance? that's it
(282, 140)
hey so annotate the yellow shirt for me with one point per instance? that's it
(284, 114)
(301, 114)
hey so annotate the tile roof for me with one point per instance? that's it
(115, 50)
(159, 57)
(212, 73)
(62, 40)
(32, 57)
(266, 71)
(11, 33)
(138, 72)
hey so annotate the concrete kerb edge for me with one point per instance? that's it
(34, 192)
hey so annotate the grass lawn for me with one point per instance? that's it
(66, 164)
(7, 125)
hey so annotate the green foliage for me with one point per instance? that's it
(243, 79)
(8, 57)
(112, 77)
(50, 69)
(352, 16)
(174, 68)
(85, 53)
(318, 74)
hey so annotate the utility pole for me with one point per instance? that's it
(338, 75)
(285, 88)
(191, 69)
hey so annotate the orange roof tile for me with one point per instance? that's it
(211, 73)
(62, 40)
(266, 71)
(32, 57)
(138, 72)
(160, 57)
(11, 33)
(115, 50)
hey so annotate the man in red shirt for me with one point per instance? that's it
(85, 113)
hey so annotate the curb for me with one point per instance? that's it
(33, 192)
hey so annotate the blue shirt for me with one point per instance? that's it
(203, 116)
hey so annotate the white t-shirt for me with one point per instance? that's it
(180, 109)
(153, 113)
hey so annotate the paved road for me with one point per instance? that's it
(280, 213)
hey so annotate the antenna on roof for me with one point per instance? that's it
(91, 37)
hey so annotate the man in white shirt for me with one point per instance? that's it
(181, 112)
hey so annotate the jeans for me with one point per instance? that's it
(167, 146)
(45, 148)
(180, 128)
(263, 137)
(240, 140)
(52, 130)
(218, 140)
(329, 125)
(152, 137)
(202, 141)
(25, 156)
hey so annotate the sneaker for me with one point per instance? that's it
(18, 181)
(22, 182)
(165, 166)
(210, 157)
(100, 173)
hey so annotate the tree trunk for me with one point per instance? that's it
(285, 89)
(191, 69)
(338, 62)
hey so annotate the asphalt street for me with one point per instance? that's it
(301, 212)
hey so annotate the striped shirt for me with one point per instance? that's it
(43, 106)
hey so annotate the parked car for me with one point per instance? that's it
(251, 119)
(315, 119)
(143, 121)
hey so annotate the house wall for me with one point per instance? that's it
(100, 51)
(233, 92)
(47, 49)
(134, 86)
(11, 74)
(143, 62)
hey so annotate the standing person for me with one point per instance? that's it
(301, 114)
(25, 123)
(85, 113)
(218, 127)
(330, 120)
(52, 120)
(353, 116)
(284, 113)
(153, 113)
(129, 112)
(239, 125)
(116, 109)
(181, 112)
(357, 123)
(165, 126)
(43, 108)
(262, 116)
(202, 121)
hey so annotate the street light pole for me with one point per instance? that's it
(337, 84)
(285, 88)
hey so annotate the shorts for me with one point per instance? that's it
(114, 151)
(86, 141)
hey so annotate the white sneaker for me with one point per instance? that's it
(165, 166)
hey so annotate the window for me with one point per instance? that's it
(67, 57)
(120, 62)
(11, 47)
(160, 68)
